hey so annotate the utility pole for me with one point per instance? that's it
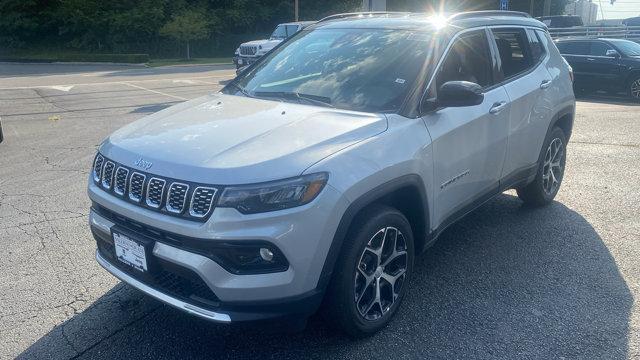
(296, 9)
(547, 8)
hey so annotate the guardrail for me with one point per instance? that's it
(615, 32)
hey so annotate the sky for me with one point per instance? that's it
(621, 9)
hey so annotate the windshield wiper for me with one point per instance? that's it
(314, 99)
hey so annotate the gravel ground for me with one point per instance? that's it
(505, 282)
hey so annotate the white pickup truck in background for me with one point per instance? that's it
(247, 53)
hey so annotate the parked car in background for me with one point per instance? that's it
(634, 21)
(323, 170)
(247, 53)
(561, 21)
(603, 64)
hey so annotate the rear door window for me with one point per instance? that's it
(574, 48)
(538, 50)
(598, 48)
(514, 51)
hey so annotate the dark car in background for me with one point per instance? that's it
(561, 21)
(612, 65)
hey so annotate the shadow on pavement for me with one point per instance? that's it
(601, 97)
(505, 282)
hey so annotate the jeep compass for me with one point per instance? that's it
(316, 177)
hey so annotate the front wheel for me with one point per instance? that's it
(551, 167)
(370, 278)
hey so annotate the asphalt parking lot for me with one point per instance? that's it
(562, 282)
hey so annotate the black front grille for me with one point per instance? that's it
(120, 185)
(168, 278)
(201, 201)
(177, 197)
(248, 50)
(135, 186)
(155, 190)
(97, 168)
(184, 199)
(107, 174)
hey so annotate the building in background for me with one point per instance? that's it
(374, 5)
(587, 10)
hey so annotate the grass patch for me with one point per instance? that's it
(197, 61)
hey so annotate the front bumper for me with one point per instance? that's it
(303, 235)
(242, 61)
(179, 304)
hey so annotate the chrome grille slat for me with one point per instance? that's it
(97, 167)
(177, 197)
(202, 201)
(107, 174)
(136, 186)
(155, 192)
(120, 184)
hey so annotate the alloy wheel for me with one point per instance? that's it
(381, 273)
(635, 89)
(552, 169)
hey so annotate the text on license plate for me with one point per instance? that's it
(130, 252)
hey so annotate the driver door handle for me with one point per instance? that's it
(497, 107)
(545, 84)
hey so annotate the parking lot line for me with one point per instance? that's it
(154, 91)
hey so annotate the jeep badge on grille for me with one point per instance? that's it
(143, 164)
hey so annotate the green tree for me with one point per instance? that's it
(187, 26)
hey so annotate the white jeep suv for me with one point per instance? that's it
(249, 52)
(326, 168)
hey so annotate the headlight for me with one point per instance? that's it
(275, 195)
(237, 51)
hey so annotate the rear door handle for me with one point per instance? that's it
(497, 107)
(591, 59)
(545, 84)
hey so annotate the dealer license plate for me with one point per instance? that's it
(130, 252)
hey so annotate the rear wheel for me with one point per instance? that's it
(550, 171)
(371, 275)
(634, 88)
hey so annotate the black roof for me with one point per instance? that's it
(418, 21)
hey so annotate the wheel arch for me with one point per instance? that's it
(407, 194)
(564, 120)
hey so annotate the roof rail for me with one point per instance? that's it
(472, 14)
(346, 15)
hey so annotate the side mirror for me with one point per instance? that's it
(612, 53)
(455, 94)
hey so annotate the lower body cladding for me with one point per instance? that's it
(179, 274)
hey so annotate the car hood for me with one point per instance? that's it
(226, 139)
(267, 43)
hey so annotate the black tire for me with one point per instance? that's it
(340, 301)
(538, 192)
(633, 88)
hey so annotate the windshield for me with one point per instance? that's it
(627, 47)
(353, 69)
(279, 33)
